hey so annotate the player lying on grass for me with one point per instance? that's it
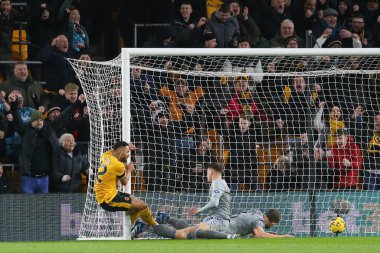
(247, 222)
(219, 205)
(218, 208)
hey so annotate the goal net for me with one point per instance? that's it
(296, 130)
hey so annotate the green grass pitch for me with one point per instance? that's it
(295, 245)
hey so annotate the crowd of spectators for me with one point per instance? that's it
(272, 23)
(179, 122)
(32, 121)
(327, 141)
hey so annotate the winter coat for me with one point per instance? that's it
(237, 104)
(225, 33)
(31, 91)
(29, 138)
(72, 166)
(278, 41)
(348, 176)
(71, 29)
(58, 71)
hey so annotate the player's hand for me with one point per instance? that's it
(61, 92)
(287, 236)
(193, 210)
(130, 167)
(131, 146)
(41, 109)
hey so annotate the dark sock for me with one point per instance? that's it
(209, 234)
(177, 223)
(191, 236)
(164, 231)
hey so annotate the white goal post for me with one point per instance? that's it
(295, 103)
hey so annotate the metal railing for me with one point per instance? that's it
(138, 26)
(12, 167)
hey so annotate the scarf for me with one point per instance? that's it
(334, 29)
(334, 126)
(374, 144)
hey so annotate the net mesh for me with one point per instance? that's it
(294, 133)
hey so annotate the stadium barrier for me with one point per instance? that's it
(47, 217)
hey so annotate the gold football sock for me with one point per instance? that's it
(147, 216)
(134, 216)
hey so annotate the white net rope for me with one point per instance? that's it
(102, 87)
(275, 123)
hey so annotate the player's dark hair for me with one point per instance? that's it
(119, 144)
(216, 166)
(273, 215)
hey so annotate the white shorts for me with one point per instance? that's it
(216, 223)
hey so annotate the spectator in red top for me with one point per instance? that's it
(346, 160)
(242, 102)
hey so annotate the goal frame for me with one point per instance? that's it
(128, 53)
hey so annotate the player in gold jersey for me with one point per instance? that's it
(112, 170)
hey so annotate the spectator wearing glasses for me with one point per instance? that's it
(358, 26)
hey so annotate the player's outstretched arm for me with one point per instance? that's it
(260, 233)
(214, 201)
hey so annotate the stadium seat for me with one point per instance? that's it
(19, 50)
